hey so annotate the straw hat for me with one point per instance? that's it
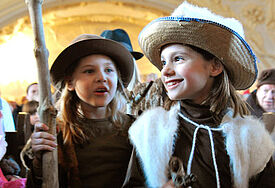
(120, 35)
(223, 37)
(87, 44)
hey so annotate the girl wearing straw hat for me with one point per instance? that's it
(93, 147)
(206, 139)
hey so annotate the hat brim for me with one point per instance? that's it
(219, 40)
(117, 52)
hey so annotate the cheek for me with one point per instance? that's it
(82, 86)
(113, 83)
(259, 95)
(198, 79)
(114, 87)
(162, 78)
(195, 75)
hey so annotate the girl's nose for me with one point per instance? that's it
(168, 70)
(101, 77)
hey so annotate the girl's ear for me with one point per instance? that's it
(70, 85)
(216, 67)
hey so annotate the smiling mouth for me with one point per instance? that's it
(173, 83)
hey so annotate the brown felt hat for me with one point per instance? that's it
(266, 77)
(198, 30)
(88, 44)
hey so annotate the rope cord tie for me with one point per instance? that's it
(199, 126)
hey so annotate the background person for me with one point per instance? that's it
(263, 98)
(32, 94)
(121, 36)
(3, 143)
(31, 108)
(7, 119)
(8, 167)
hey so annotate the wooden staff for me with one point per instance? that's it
(46, 109)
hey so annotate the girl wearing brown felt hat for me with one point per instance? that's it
(93, 149)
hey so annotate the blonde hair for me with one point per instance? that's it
(70, 118)
(135, 78)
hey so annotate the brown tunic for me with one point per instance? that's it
(202, 163)
(102, 162)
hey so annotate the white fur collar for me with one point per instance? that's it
(249, 150)
(147, 134)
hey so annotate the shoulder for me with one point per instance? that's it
(155, 122)
(248, 140)
(126, 121)
(127, 118)
(152, 134)
(157, 115)
(248, 125)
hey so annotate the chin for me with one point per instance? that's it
(173, 97)
(100, 105)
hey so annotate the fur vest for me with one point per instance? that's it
(247, 142)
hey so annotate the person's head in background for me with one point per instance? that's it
(31, 108)
(266, 90)
(121, 36)
(32, 92)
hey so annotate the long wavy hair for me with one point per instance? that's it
(223, 94)
(70, 117)
(135, 78)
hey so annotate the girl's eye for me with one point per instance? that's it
(89, 71)
(163, 62)
(178, 58)
(109, 70)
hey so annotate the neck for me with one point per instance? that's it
(92, 112)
